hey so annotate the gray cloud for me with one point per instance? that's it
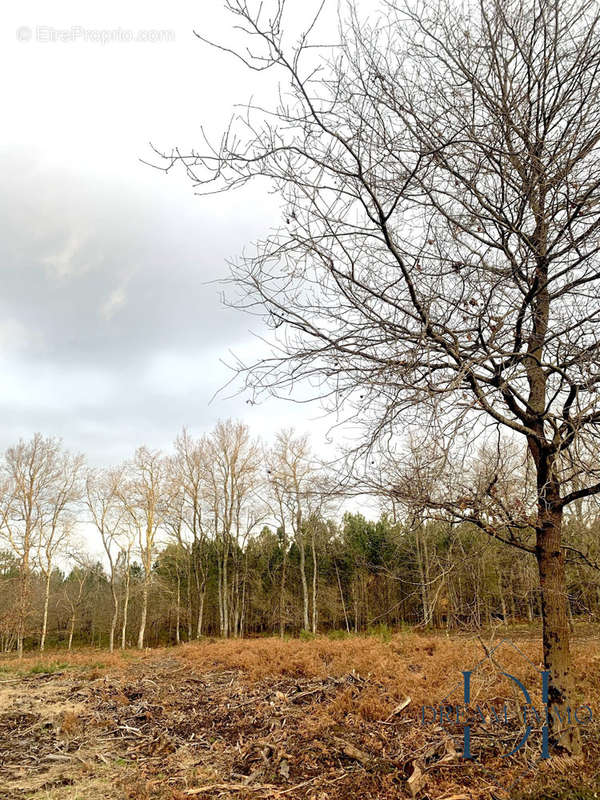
(110, 334)
(108, 319)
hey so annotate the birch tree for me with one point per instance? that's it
(232, 462)
(56, 519)
(31, 473)
(189, 468)
(276, 498)
(145, 498)
(75, 587)
(124, 567)
(290, 473)
(103, 503)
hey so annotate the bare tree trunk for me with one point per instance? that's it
(23, 604)
(220, 593)
(427, 573)
(314, 583)
(200, 589)
(342, 597)
(365, 596)
(557, 658)
(45, 613)
(140, 642)
(115, 616)
(282, 591)
(200, 619)
(178, 617)
(423, 573)
(502, 598)
(235, 601)
(189, 597)
(243, 600)
(225, 588)
(305, 620)
(71, 631)
(125, 608)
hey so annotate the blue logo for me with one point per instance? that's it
(520, 720)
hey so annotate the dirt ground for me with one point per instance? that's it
(318, 720)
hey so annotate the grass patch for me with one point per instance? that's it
(381, 631)
(47, 668)
(335, 636)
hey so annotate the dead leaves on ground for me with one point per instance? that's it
(219, 721)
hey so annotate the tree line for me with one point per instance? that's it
(226, 536)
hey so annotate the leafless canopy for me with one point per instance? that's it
(440, 177)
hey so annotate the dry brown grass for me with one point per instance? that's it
(419, 665)
(235, 691)
(424, 668)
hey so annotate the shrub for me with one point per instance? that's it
(382, 631)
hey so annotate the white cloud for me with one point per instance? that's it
(115, 301)
(65, 263)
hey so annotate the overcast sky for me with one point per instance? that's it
(110, 333)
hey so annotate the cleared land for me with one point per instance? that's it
(324, 719)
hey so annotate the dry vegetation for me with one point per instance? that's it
(262, 718)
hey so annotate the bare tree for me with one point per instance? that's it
(276, 500)
(102, 500)
(124, 566)
(232, 461)
(145, 498)
(290, 472)
(34, 498)
(75, 586)
(440, 179)
(174, 526)
(298, 491)
(56, 519)
(189, 467)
